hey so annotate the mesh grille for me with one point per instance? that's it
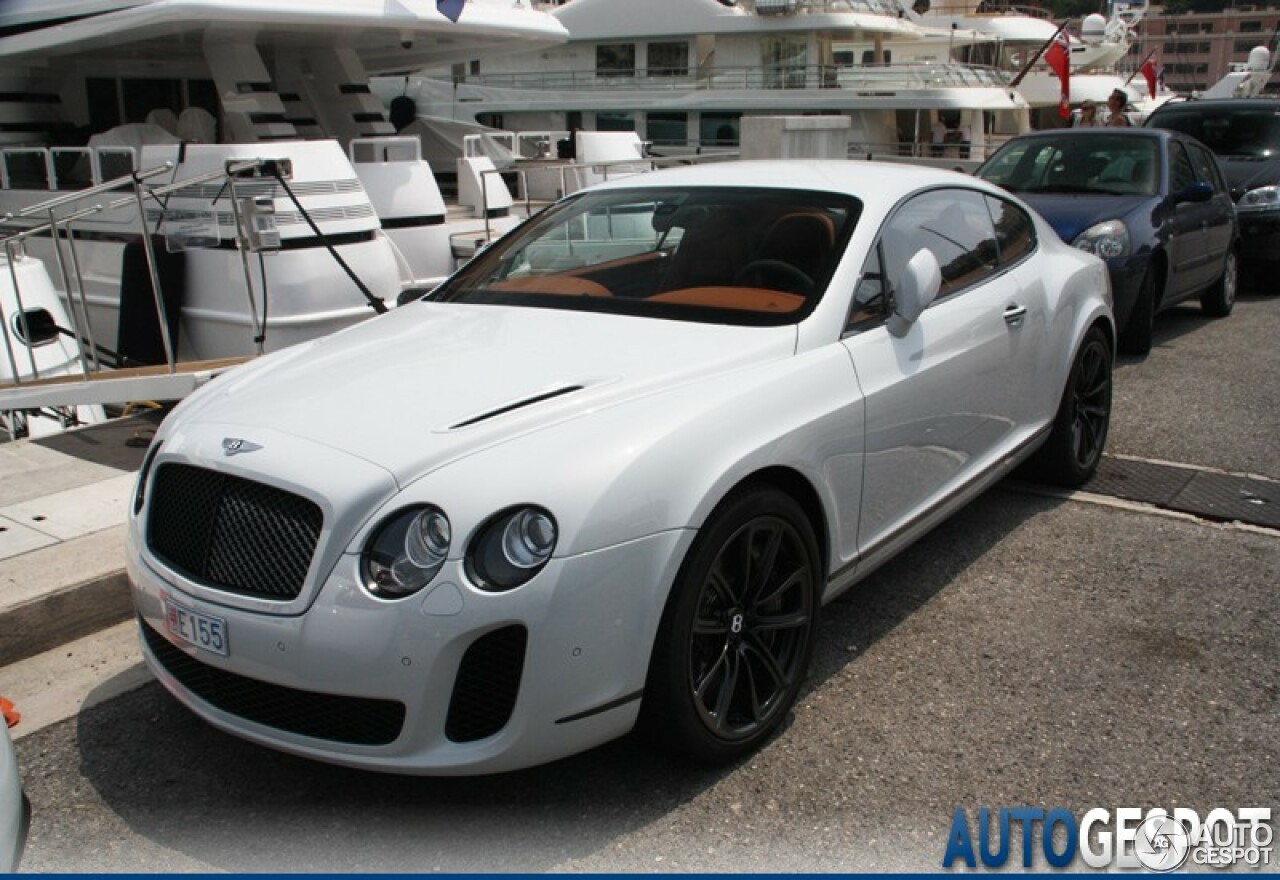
(356, 720)
(231, 533)
(484, 694)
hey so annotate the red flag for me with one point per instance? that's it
(1148, 71)
(1059, 60)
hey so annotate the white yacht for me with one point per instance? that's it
(308, 209)
(1098, 46)
(682, 74)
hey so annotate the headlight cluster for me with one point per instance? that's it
(1106, 240)
(407, 551)
(1264, 198)
(511, 548)
(409, 548)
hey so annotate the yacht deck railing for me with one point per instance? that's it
(879, 77)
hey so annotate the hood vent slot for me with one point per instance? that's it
(515, 405)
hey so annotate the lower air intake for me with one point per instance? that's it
(488, 682)
(356, 720)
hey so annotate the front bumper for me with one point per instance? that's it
(1259, 235)
(588, 623)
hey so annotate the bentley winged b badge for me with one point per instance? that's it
(234, 446)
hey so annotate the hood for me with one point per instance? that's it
(1070, 214)
(430, 382)
(1244, 174)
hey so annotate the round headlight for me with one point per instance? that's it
(406, 552)
(1106, 240)
(529, 538)
(426, 542)
(511, 548)
(1263, 198)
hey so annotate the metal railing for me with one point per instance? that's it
(63, 169)
(565, 170)
(48, 218)
(898, 75)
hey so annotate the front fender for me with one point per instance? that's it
(663, 462)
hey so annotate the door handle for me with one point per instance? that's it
(1013, 314)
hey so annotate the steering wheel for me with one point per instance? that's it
(761, 268)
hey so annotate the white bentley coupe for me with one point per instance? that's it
(608, 473)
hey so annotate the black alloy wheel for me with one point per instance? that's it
(1071, 455)
(1090, 403)
(737, 633)
(1219, 300)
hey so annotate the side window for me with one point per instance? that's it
(1015, 233)
(1206, 167)
(1181, 174)
(953, 223)
(871, 301)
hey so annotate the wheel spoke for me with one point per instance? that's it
(728, 687)
(777, 622)
(790, 582)
(721, 586)
(767, 661)
(700, 687)
(709, 626)
(763, 568)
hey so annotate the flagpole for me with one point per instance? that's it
(1140, 66)
(1026, 68)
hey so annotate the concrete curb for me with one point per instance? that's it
(63, 615)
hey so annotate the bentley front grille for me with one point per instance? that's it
(230, 533)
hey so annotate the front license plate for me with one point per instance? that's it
(202, 630)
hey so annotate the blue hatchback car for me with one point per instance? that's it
(1151, 203)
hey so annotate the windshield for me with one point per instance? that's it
(739, 256)
(1230, 132)
(1111, 165)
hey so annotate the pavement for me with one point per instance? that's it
(63, 502)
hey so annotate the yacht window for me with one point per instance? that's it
(668, 59)
(612, 120)
(616, 59)
(719, 129)
(104, 103)
(667, 128)
(141, 96)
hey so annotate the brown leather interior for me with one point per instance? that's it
(749, 299)
(804, 240)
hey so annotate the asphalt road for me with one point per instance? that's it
(1032, 650)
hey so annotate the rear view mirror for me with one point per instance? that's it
(917, 287)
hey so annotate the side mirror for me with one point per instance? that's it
(917, 287)
(1196, 192)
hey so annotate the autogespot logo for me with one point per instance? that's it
(1157, 840)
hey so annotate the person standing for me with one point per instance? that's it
(1115, 104)
(1088, 117)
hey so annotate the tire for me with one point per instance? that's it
(737, 631)
(1135, 337)
(1219, 300)
(1071, 454)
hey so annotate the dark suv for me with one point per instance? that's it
(1244, 133)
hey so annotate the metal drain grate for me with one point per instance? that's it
(1223, 497)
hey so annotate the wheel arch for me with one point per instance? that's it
(1160, 266)
(802, 491)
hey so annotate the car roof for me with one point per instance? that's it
(1218, 104)
(1098, 133)
(876, 184)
